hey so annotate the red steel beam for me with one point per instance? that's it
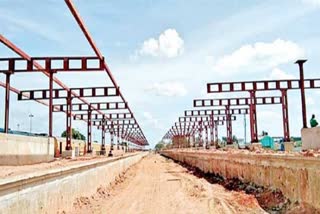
(208, 112)
(17, 91)
(252, 101)
(263, 85)
(206, 123)
(99, 116)
(99, 106)
(303, 96)
(21, 53)
(85, 31)
(57, 64)
(116, 122)
(267, 85)
(202, 118)
(109, 127)
(61, 93)
(236, 101)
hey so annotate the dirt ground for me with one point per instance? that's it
(157, 185)
(11, 171)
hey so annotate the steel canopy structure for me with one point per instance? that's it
(252, 101)
(50, 65)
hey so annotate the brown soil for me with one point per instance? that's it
(11, 171)
(271, 200)
(158, 185)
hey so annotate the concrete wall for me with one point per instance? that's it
(20, 150)
(24, 150)
(55, 190)
(297, 177)
(310, 138)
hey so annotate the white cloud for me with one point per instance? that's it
(168, 89)
(315, 3)
(169, 44)
(250, 58)
(277, 74)
(150, 120)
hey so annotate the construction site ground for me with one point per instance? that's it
(11, 171)
(159, 185)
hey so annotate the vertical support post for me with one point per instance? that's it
(68, 122)
(194, 139)
(89, 133)
(122, 138)
(253, 117)
(111, 139)
(285, 116)
(50, 102)
(211, 130)
(103, 136)
(229, 125)
(207, 138)
(200, 134)
(303, 98)
(245, 128)
(118, 138)
(7, 104)
(216, 132)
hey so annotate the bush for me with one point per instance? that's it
(75, 135)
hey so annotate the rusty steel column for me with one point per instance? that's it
(194, 139)
(303, 97)
(50, 102)
(211, 130)
(89, 133)
(112, 139)
(68, 122)
(229, 125)
(253, 117)
(200, 134)
(103, 140)
(122, 139)
(7, 104)
(285, 116)
(103, 135)
(111, 143)
(118, 139)
(216, 133)
(207, 138)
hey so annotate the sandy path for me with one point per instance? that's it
(157, 185)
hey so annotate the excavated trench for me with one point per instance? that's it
(271, 200)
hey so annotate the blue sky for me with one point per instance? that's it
(162, 53)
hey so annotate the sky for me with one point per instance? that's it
(163, 53)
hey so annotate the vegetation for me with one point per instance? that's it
(75, 135)
(159, 146)
(234, 139)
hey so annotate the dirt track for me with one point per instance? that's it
(158, 185)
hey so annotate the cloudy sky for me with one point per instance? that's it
(162, 54)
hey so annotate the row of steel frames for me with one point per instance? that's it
(115, 118)
(209, 113)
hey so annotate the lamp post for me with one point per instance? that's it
(31, 116)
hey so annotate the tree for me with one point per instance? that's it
(75, 135)
(159, 146)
